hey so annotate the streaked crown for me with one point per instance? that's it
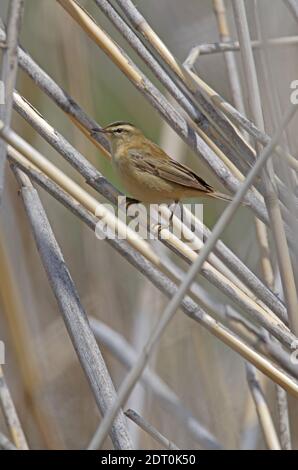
(121, 127)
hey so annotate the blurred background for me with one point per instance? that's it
(51, 393)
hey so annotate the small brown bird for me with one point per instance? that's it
(147, 173)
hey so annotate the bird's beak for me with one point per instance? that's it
(97, 130)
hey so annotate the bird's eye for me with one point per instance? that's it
(118, 131)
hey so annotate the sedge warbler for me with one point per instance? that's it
(147, 173)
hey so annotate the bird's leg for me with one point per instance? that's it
(160, 226)
(172, 210)
(159, 229)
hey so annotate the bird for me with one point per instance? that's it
(147, 173)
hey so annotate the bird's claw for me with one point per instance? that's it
(159, 227)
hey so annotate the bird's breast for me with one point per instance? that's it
(141, 185)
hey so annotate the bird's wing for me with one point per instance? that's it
(165, 167)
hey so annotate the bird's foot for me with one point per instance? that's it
(157, 228)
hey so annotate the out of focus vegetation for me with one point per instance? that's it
(51, 394)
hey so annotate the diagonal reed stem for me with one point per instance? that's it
(135, 373)
(72, 311)
(9, 73)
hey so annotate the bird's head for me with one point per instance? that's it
(119, 133)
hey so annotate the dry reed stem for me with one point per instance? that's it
(272, 203)
(236, 91)
(233, 46)
(219, 267)
(245, 351)
(5, 443)
(264, 316)
(265, 346)
(124, 352)
(262, 409)
(229, 57)
(222, 125)
(9, 72)
(75, 190)
(206, 126)
(293, 7)
(170, 114)
(10, 415)
(140, 24)
(286, 174)
(160, 281)
(26, 356)
(72, 311)
(95, 179)
(151, 430)
(237, 118)
(135, 373)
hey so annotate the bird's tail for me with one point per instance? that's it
(225, 197)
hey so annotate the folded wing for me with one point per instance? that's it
(165, 167)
